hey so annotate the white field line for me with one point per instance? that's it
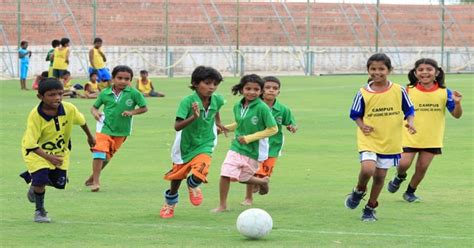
(342, 233)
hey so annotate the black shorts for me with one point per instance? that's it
(56, 178)
(435, 151)
(58, 73)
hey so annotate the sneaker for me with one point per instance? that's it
(353, 199)
(411, 197)
(195, 196)
(41, 216)
(167, 211)
(394, 185)
(368, 214)
(31, 195)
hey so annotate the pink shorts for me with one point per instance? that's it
(238, 167)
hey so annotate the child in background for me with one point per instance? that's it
(254, 123)
(145, 86)
(196, 124)
(47, 141)
(378, 110)
(283, 116)
(24, 55)
(97, 61)
(69, 89)
(38, 79)
(431, 98)
(60, 58)
(91, 89)
(49, 55)
(114, 125)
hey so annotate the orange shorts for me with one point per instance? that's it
(108, 144)
(199, 166)
(265, 169)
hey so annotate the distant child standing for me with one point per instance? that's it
(60, 58)
(283, 117)
(378, 110)
(196, 125)
(97, 61)
(431, 98)
(47, 141)
(49, 55)
(254, 123)
(24, 55)
(145, 86)
(91, 88)
(115, 123)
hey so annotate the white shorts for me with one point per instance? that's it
(238, 167)
(381, 161)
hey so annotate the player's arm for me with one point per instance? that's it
(137, 111)
(90, 137)
(53, 159)
(96, 113)
(357, 114)
(290, 122)
(67, 56)
(454, 103)
(102, 54)
(91, 58)
(31, 137)
(267, 132)
(21, 55)
(408, 111)
(181, 123)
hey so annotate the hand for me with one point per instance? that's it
(366, 129)
(411, 128)
(127, 113)
(55, 160)
(29, 54)
(292, 128)
(457, 96)
(241, 140)
(196, 110)
(91, 141)
(97, 115)
(222, 129)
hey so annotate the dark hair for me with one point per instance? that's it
(44, 74)
(66, 73)
(55, 43)
(251, 78)
(143, 72)
(122, 68)
(439, 78)
(97, 39)
(203, 73)
(272, 79)
(92, 73)
(64, 41)
(48, 84)
(380, 57)
(23, 42)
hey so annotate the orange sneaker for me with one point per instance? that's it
(167, 211)
(195, 196)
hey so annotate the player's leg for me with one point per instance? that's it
(249, 191)
(90, 181)
(405, 163)
(199, 168)
(40, 179)
(422, 164)
(367, 170)
(224, 186)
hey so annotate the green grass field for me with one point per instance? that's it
(307, 190)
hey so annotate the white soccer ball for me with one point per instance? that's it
(254, 223)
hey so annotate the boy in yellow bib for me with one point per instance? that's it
(145, 86)
(60, 58)
(97, 61)
(431, 98)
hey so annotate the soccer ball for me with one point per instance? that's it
(254, 223)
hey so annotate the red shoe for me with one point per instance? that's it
(167, 211)
(195, 196)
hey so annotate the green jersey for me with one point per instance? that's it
(48, 57)
(283, 117)
(112, 122)
(200, 136)
(251, 119)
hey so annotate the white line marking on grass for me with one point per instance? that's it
(168, 225)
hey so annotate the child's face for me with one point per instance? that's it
(52, 98)
(93, 78)
(122, 80)
(378, 72)
(25, 45)
(206, 88)
(66, 77)
(98, 45)
(426, 73)
(271, 90)
(144, 75)
(251, 91)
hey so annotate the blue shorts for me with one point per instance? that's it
(103, 74)
(56, 178)
(23, 70)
